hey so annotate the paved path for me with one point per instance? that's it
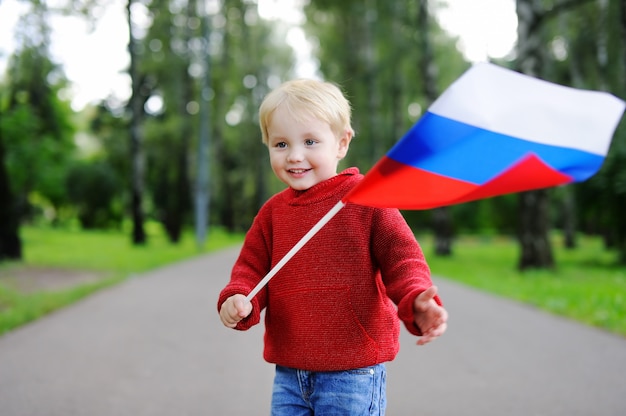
(154, 346)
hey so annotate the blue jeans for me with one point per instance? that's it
(352, 393)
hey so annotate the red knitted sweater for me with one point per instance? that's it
(331, 307)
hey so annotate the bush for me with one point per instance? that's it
(93, 187)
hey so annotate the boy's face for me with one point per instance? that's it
(305, 153)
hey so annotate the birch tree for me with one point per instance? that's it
(441, 217)
(137, 156)
(534, 206)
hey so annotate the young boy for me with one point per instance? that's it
(330, 317)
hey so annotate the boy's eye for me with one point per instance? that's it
(281, 145)
(309, 142)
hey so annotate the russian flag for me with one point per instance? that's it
(493, 131)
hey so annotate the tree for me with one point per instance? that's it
(36, 132)
(384, 84)
(245, 59)
(534, 206)
(250, 57)
(92, 187)
(137, 156)
(202, 191)
(168, 62)
(442, 221)
(10, 243)
(621, 179)
(536, 249)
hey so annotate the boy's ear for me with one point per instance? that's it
(344, 143)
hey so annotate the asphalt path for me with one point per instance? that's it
(154, 346)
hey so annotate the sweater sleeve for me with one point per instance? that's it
(251, 266)
(404, 270)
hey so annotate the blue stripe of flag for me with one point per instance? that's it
(461, 151)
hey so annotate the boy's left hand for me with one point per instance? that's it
(429, 316)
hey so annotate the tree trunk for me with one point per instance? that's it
(569, 217)
(536, 249)
(178, 209)
(620, 215)
(10, 243)
(442, 229)
(226, 208)
(442, 220)
(202, 193)
(396, 87)
(136, 145)
(370, 76)
(568, 207)
(253, 44)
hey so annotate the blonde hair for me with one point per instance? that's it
(307, 97)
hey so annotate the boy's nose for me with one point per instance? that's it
(295, 155)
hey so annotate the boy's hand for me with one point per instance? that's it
(429, 316)
(234, 309)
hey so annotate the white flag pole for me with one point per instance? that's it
(322, 222)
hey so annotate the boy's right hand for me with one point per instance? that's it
(234, 309)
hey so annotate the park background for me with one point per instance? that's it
(170, 164)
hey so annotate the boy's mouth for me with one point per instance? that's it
(298, 171)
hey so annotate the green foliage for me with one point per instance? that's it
(36, 125)
(584, 48)
(372, 50)
(493, 216)
(92, 187)
(251, 58)
(241, 56)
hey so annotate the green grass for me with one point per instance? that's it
(107, 254)
(587, 284)
(17, 308)
(113, 251)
